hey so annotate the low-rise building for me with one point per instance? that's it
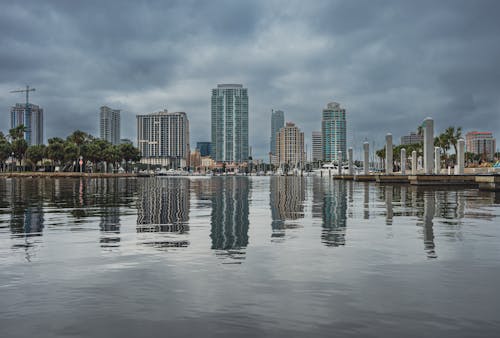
(481, 143)
(412, 138)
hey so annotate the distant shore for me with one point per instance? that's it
(32, 174)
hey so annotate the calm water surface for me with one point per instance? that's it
(246, 256)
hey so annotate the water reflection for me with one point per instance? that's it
(229, 219)
(429, 212)
(163, 207)
(366, 200)
(286, 198)
(331, 205)
(26, 218)
(160, 209)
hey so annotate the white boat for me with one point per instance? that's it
(327, 169)
(331, 169)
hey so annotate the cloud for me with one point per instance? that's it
(390, 64)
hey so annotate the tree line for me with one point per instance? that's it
(95, 153)
(446, 140)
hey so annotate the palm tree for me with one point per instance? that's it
(35, 154)
(455, 135)
(5, 150)
(17, 132)
(55, 150)
(420, 130)
(19, 147)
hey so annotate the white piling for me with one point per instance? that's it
(403, 161)
(388, 154)
(428, 145)
(437, 160)
(461, 156)
(366, 159)
(350, 161)
(414, 162)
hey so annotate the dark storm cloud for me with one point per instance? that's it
(390, 63)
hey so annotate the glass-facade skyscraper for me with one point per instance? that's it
(229, 123)
(204, 148)
(277, 122)
(334, 132)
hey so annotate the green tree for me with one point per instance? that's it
(453, 135)
(17, 132)
(129, 153)
(55, 150)
(112, 154)
(5, 150)
(19, 147)
(35, 154)
(71, 153)
(94, 151)
(79, 138)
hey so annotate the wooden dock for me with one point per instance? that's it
(391, 179)
(440, 180)
(488, 182)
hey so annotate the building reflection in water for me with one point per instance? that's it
(27, 207)
(109, 223)
(163, 208)
(229, 219)
(287, 197)
(330, 203)
(23, 198)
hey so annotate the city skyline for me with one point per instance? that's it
(389, 72)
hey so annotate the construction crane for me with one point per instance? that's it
(27, 91)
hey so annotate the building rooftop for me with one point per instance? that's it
(480, 133)
(229, 85)
(333, 105)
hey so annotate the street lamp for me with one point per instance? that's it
(11, 163)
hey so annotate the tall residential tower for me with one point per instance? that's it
(290, 146)
(31, 117)
(229, 123)
(110, 125)
(334, 132)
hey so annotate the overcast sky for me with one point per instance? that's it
(389, 63)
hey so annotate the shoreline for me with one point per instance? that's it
(33, 174)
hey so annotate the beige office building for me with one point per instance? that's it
(290, 146)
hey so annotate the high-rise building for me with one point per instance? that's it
(277, 122)
(334, 132)
(229, 123)
(412, 138)
(204, 148)
(32, 118)
(290, 145)
(481, 143)
(163, 139)
(317, 146)
(110, 125)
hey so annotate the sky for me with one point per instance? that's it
(390, 64)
